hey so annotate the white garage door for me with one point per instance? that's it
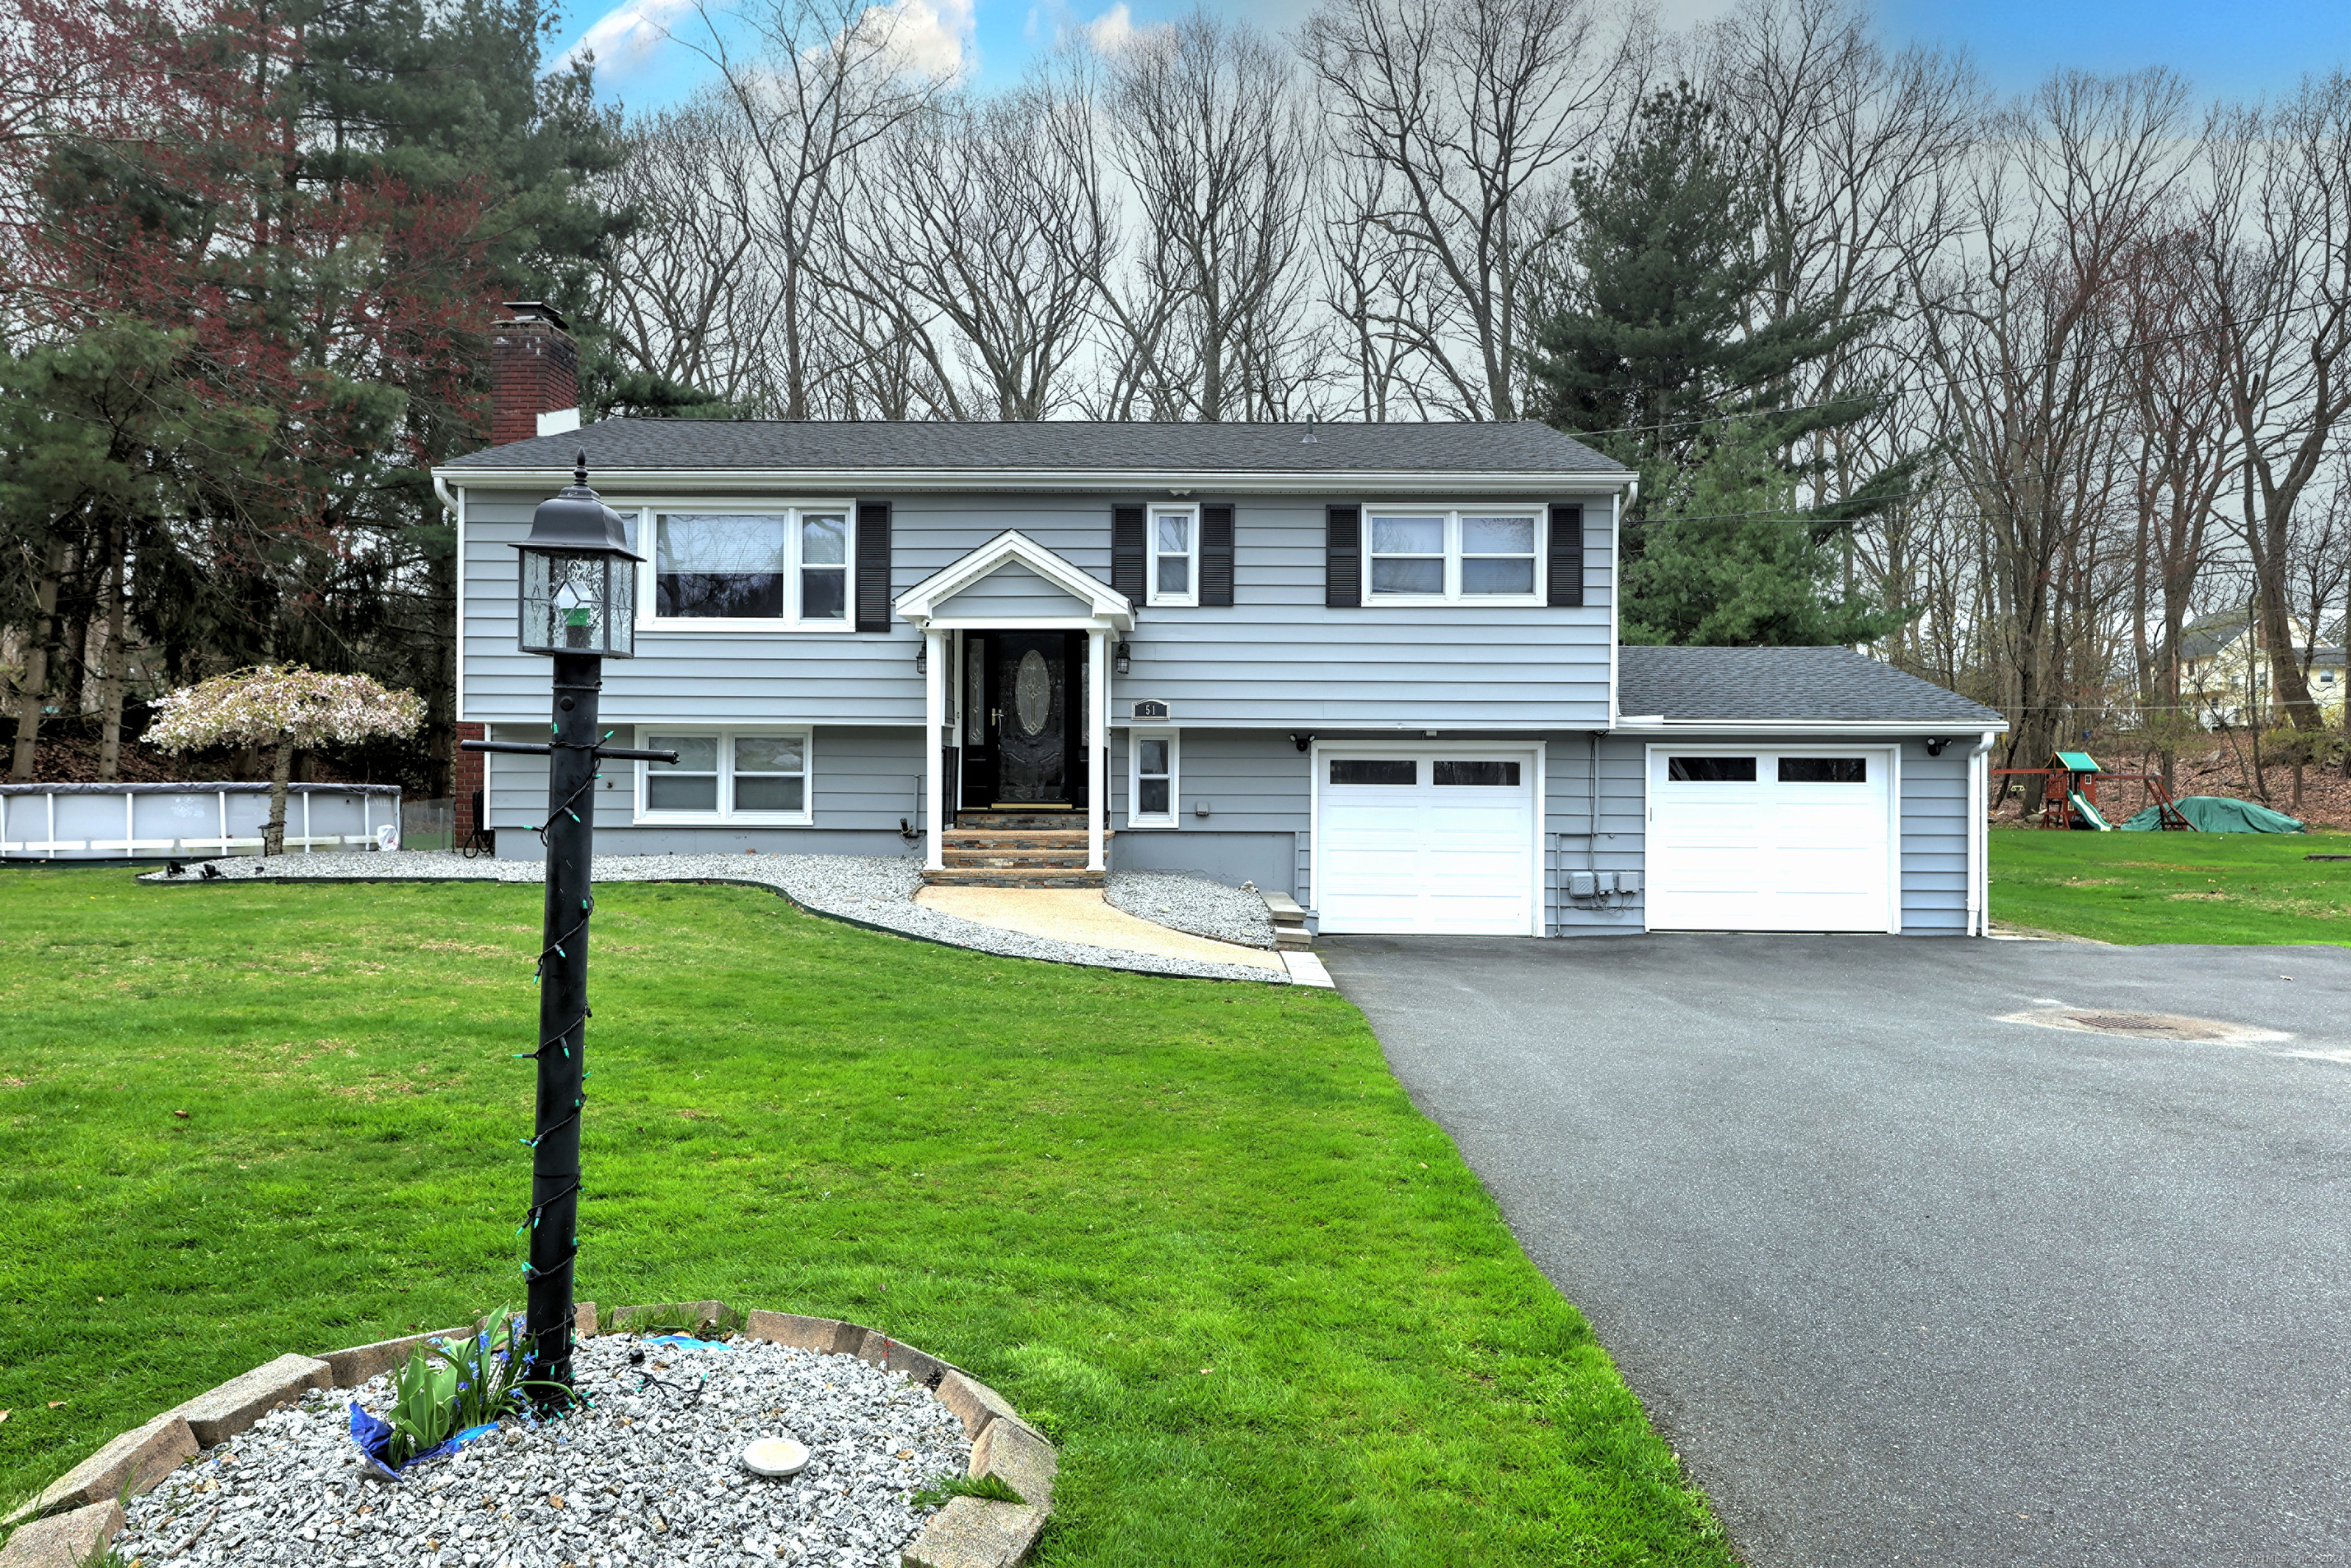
(1770, 840)
(1425, 841)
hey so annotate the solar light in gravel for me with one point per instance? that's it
(775, 1456)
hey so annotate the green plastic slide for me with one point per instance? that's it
(2088, 814)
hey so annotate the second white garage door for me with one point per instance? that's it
(1433, 842)
(1771, 839)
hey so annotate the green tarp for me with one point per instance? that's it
(2218, 814)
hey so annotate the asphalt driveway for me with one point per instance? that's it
(1904, 1282)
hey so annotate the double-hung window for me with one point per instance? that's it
(1480, 555)
(750, 777)
(1153, 802)
(1175, 555)
(781, 569)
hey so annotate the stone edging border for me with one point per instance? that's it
(80, 1513)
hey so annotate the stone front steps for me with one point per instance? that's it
(1014, 849)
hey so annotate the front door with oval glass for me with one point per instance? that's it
(1035, 700)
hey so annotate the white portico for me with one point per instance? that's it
(1017, 648)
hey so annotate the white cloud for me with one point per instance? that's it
(927, 36)
(1113, 30)
(627, 35)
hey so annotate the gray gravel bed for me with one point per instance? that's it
(869, 890)
(647, 1476)
(1193, 904)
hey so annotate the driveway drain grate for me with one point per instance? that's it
(2146, 1026)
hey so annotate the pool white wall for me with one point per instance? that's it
(152, 821)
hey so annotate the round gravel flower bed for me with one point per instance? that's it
(651, 1474)
(876, 890)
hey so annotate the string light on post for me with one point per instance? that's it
(579, 605)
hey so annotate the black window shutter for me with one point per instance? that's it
(874, 565)
(1126, 565)
(1215, 555)
(1342, 559)
(1566, 565)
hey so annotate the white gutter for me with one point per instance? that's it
(1978, 843)
(1651, 724)
(1320, 483)
(456, 506)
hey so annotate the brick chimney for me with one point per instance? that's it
(534, 374)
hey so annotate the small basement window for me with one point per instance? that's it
(1373, 771)
(752, 776)
(1711, 769)
(1823, 770)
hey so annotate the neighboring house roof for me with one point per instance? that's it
(1186, 449)
(2202, 638)
(1746, 685)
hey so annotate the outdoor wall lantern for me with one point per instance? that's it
(1120, 658)
(578, 604)
(923, 657)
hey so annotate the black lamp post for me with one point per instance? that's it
(579, 603)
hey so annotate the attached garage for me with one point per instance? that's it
(1773, 839)
(1437, 840)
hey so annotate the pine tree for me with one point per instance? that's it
(1659, 361)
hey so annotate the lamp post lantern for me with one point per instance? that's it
(578, 604)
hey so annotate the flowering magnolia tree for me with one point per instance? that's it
(288, 708)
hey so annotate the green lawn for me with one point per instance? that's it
(1195, 1229)
(2173, 887)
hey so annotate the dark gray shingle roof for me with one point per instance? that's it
(1521, 447)
(1792, 684)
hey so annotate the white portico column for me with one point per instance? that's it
(934, 720)
(1097, 743)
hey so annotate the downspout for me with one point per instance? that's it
(1978, 846)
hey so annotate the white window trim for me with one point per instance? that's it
(648, 618)
(1152, 555)
(726, 815)
(1173, 815)
(1453, 515)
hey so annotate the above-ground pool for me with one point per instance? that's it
(150, 821)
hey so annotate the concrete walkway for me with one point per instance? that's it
(1079, 915)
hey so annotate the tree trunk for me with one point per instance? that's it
(273, 836)
(111, 646)
(33, 685)
(2296, 809)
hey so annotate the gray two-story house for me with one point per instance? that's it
(1374, 666)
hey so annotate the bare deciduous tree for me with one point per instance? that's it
(1468, 109)
(2279, 264)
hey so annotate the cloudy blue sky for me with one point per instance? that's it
(2224, 49)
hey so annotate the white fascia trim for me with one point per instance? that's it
(1012, 622)
(1104, 604)
(1765, 728)
(1174, 483)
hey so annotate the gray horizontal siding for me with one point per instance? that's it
(1255, 786)
(863, 781)
(1012, 590)
(1934, 841)
(1277, 656)
(716, 677)
(1577, 840)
